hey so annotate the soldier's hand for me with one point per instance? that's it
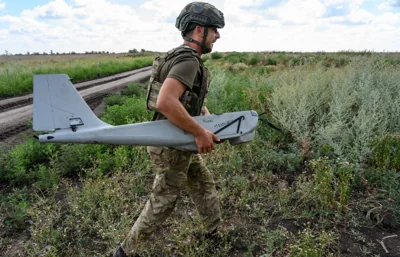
(205, 141)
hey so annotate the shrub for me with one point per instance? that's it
(342, 110)
(205, 57)
(20, 165)
(384, 183)
(237, 57)
(327, 191)
(254, 59)
(238, 67)
(386, 152)
(309, 244)
(136, 89)
(115, 99)
(271, 61)
(14, 209)
(131, 110)
(216, 55)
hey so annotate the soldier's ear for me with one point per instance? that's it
(199, 29)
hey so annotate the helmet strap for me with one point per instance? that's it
(201, 44)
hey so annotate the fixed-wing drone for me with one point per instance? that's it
(61, 112)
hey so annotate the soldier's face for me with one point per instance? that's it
(213, 35)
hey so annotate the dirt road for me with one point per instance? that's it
(15, 113)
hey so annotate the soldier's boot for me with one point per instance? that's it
(120, 252)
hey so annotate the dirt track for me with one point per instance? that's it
(15, 113)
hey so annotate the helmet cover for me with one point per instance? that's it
(200, 13)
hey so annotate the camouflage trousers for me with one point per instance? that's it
(175, 170)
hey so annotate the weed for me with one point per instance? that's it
(132, 110)
(135, 89)
(275, 239)
(115, 99)
(236, 57)
(309, 244)
(271, 61)
(20, 165)
(254, 59)
(386, 152)
(216, 55)
(205, 57)
(14, 209)
(335, 165)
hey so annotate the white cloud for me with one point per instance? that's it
(334, 2)
(361, 16)
(235, 15)
(355, 4)
(384, 6)
(388, 18)
(56, 9)
(241, 3)
(3, 34)
(9, 18)
(389, 5)
(294, 25)
(299, 11)
(2, 5)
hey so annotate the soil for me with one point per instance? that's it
(374, 241)
(14, 121)
(382, 239)
(12, 242)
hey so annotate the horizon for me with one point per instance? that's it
(118, 26)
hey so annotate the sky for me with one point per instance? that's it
(251, 25)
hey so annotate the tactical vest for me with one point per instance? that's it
(191, 100)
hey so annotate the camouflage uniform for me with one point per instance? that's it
(176, 170)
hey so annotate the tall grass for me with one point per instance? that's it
(16, 78)
(340, 109)
(290, 194)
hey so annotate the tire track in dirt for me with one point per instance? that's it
(15, 120)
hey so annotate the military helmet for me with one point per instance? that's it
(200, 13)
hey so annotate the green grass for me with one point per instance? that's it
(16, 76)
(334, 171)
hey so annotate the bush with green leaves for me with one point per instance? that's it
(216, 55)
(115, 99)
(236, 57)
(386, 152)
(130, 110)
(136, 89)
(22, 162)
(309, 244)
(255, 59)
(14, 207)
(343, 109)
(205, 57)
(240, 92)
(271, 61)
(325, 193)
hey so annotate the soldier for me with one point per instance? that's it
(177, 90)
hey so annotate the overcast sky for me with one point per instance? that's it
(251, 25)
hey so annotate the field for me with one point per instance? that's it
(16, 72)
(329, 185)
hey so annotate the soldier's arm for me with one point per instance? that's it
(205, 111)
(168, 103)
